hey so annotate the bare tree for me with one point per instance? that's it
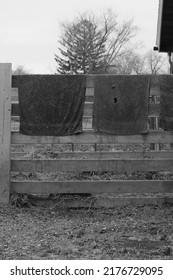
(20, 70)
(91, 44)
(117, 44)
(132, 62)
(138, 64)
(129, 63)
(155, 63)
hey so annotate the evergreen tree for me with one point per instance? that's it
(91, 45)
(82, 48)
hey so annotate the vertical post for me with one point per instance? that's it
(5, 131)
(156, 146)
(170, 58)
(95, 147)
(72, 147)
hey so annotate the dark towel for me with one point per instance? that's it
(121, 104)
(166, 102)
(51, 104)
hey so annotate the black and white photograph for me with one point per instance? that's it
(86, 135)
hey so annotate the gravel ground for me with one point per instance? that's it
(39, 229)
(48, 232)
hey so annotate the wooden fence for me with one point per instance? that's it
(80, 161)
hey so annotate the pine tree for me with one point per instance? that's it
(82, 48)
(91, 45)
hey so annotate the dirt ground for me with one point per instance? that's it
(45, 231)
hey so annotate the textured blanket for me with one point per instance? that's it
(121, 104)
(166, 102)
(51, 104)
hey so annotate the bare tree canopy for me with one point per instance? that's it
(20, 70)
(155, 63)
(90, 44)
(132, 62)
(128, 63)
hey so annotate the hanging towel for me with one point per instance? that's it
(51, 104)
(121, 104)
(166, 102)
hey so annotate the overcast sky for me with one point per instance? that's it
(29, 29)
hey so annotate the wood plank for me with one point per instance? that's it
(15, 118)
(5, 131)
(15, 127)
(157, 148)
(105, 155)
(154, 88)
(154, 109)
(15, 109)
(101, 201)
(155, 91)
(15, 124)
(88, 107)
(18, 154)
(93, 137)
(154, 85)
(89, 98)
(87, 123)
(130, 186)
(89, 92)
(100, 165)
(90, 81)
(14, 94)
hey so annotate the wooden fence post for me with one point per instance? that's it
(5, 131)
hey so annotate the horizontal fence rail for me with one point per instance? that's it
(96, 165)
(123, 186)
(105, 155)
(154, 109)
(154, 136)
